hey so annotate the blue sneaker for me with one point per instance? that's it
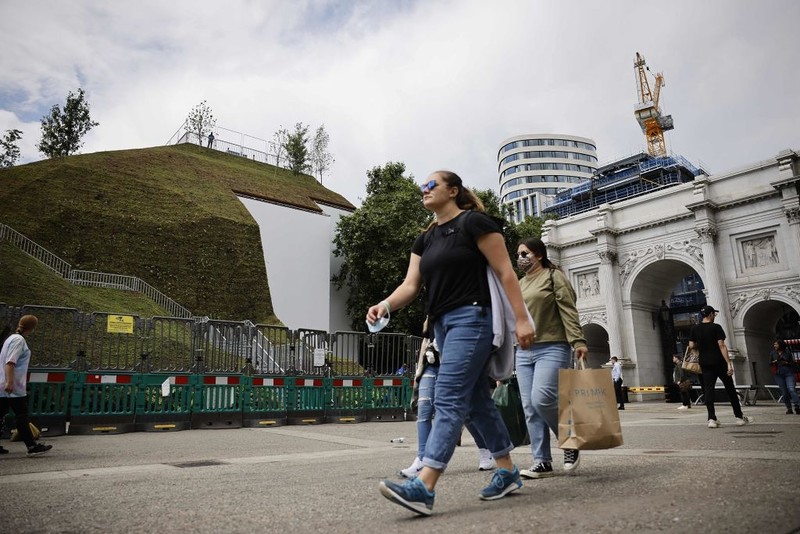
(503, 483)
(412, 494)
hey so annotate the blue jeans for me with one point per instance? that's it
(787, 384)
(464, 336)
(537, 374)
(426, 410)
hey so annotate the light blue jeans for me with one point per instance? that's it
(537, 374)
(464, 336)
(787, 383)
(426, 410)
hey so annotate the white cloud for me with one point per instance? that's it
(432, 84)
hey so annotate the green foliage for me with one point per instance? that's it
(62, 131)
(281, 138)
(201, 121)
(375, 242)
(10, 151)
(532, 226)
(321, 159)
(297, 149)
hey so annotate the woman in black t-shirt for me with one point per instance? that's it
(450, 259)
(709, 338)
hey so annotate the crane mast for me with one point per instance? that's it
(647, 112)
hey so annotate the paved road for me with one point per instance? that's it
(672, 475)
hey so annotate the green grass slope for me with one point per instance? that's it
(33, 283)
(168, 215)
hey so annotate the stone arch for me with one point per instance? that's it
(649, 284)
(596, 336)
(755, 329)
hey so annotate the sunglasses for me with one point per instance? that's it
(524, 254)
(428, 185)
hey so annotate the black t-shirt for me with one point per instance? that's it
(706, 338)
(453, 268)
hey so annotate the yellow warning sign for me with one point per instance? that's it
(120, 324)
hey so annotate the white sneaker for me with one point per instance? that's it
(713, 423)
(412, 470)
(683, 407)
(745, 420)
(487, 462)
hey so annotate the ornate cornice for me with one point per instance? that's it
(792, 214)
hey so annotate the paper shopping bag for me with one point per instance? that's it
(587, 410)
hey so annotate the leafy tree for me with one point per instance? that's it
(281, 138)
(375, 242)
(201, 121)
(10, 151)
(495, 208)
(297, 149)
(532, 226)
(62, 131)
(321, 159)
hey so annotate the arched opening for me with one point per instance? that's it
(597, 343)
(764, 322)
(661, 298)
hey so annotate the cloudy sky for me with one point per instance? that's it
(434, 84)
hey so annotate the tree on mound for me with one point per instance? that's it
(63, 130)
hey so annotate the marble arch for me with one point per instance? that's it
(739, 231)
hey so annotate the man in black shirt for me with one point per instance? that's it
(709, 338)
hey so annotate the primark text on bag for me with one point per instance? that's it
(587, 410)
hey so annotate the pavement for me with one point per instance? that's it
(673, 474)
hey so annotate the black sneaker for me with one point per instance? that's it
(3, 450)
(38, 450)
(571, 460)
(540, 470)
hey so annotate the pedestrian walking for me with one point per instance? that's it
(550, 299)
(715, 363)
(616, 377)
(450, 259)
(15, 356)
(782, 359)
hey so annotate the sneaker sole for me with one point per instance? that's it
(487, 468)
(571, 468)
(397, 499)
(514, 486)
(532, 475)
(35, 454)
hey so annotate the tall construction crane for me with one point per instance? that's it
(647, 112)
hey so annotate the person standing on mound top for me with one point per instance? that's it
(709, 338)
(14, 359)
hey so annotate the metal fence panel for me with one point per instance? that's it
(169, 346)
(271, 349)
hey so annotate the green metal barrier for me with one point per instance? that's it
(305, 400)
(347, 400)
(164, 402)
(48, 399)
(217, 402)
(265, 401)
(388, 398)
(103, 403)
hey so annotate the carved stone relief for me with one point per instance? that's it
(759, 252)
(588, 285)
(738, 300)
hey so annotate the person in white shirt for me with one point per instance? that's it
(15, 356)
(616, 376)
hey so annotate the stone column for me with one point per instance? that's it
(717, 294)
(609, 289)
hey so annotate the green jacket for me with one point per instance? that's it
(551, 301)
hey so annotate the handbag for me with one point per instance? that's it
(691, 361)
(508, 400)
(685, 385)
(588, 418)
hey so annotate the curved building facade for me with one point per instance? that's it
(533, 168)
